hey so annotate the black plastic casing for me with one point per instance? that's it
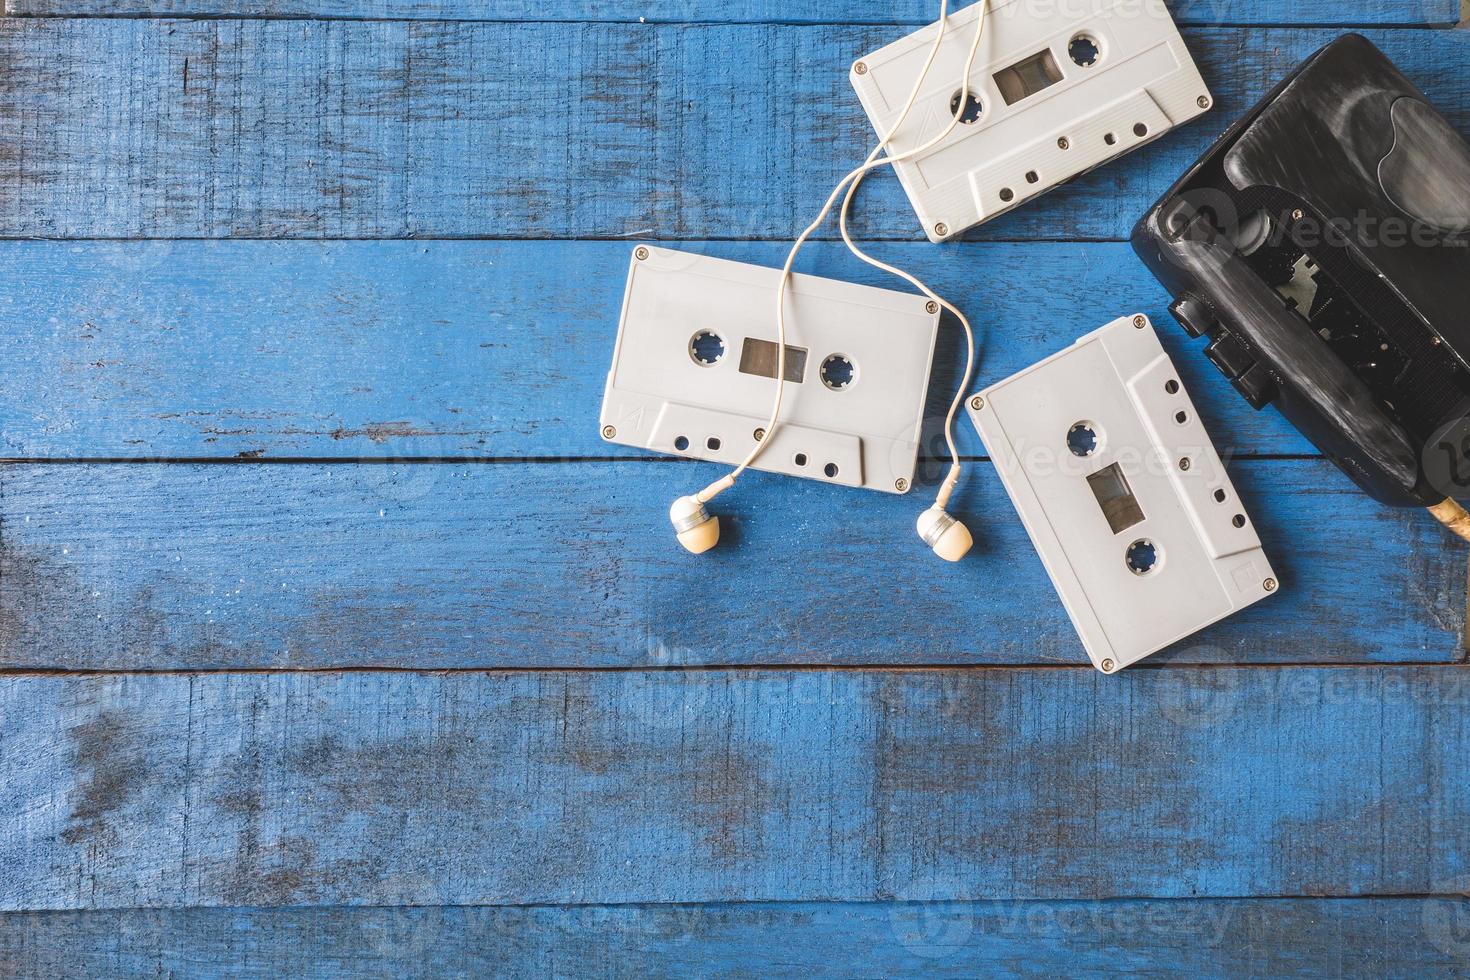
(1347, 156)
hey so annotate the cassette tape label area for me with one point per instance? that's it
(1123, 494)
(1056, 90)
(693, 372)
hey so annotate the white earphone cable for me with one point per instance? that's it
(850, 184)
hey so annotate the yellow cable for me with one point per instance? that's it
(1449, 513)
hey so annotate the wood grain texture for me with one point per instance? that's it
(333, 129)
(911, 12)
(896, 818)
(268, 789)
(1409, 938)
(153, 567)
(150, 350)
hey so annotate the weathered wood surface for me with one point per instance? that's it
(152, 350)
(392, 129)
(1409, 938)
(126, 567)
(822, 821)
(390, 788)
(913, 12)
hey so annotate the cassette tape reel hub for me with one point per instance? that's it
(696, 358)
(1056, 91)
(1123, 494)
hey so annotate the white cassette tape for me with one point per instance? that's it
(693, 371)
(1058, 87)
(1123, 494)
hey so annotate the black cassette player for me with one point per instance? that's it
(1323, 247)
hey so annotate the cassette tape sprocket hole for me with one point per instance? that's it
(838, 372)
(1084, 50)
(706, 348)
(974, 108)
(1142, 557)
(1083, 439)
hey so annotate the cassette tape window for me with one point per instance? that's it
(1059, 90)
(1121, 491)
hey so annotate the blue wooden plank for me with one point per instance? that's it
(460, 349)
(333, 129)
(1409, 938)
(595, 787)
(151, 567)
(912, 12)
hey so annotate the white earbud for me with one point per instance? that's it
(949, 537)
(696, 528)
